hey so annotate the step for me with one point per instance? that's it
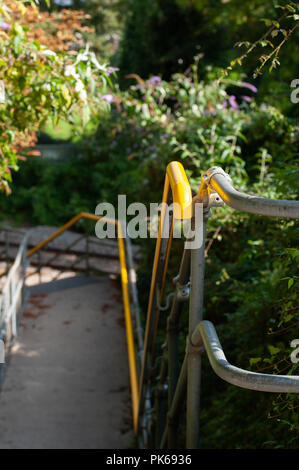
(103, 255)
(97, 247)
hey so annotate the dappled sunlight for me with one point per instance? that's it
(21, 349)
(47, 274)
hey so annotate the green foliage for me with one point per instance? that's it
(39, 84)
(278, 33)
(107, 16)
(162, 37)
(246, 294)
(251, 263)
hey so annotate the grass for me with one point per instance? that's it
(70, 132)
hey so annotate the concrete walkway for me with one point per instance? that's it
(67, 384)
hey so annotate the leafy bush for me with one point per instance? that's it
(38, 83)
(246, 296)
(162, 37)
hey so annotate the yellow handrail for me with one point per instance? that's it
(181, 190)
(177, 181)
(126, 299)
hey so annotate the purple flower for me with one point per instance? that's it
(128, 150)
(155, 80)
(232, 101)
(246, 98)
(109, 98)
(165, 135)
(111, 70)
(114, 143)
(224, 104)
(250, 87)
(5, 25)
(210, 112)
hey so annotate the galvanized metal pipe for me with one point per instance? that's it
(194, 357)
(172, 341)
(177, 401)
(219, 181)
(7, 250)
(160, 403)
(12, 300)
(236, 376)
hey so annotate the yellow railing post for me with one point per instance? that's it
(176, 181)
(126, 299)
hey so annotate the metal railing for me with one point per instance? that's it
(81, 254)
(129, 293)
(14, 294)
(13, 300)
(154, 382)
(5, 253)
(160, 427)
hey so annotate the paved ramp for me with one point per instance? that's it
(67, 384)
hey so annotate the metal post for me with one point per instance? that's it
(194, 357)
(7, 250)
(172, 341)
(176, 402)
(160, 403)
